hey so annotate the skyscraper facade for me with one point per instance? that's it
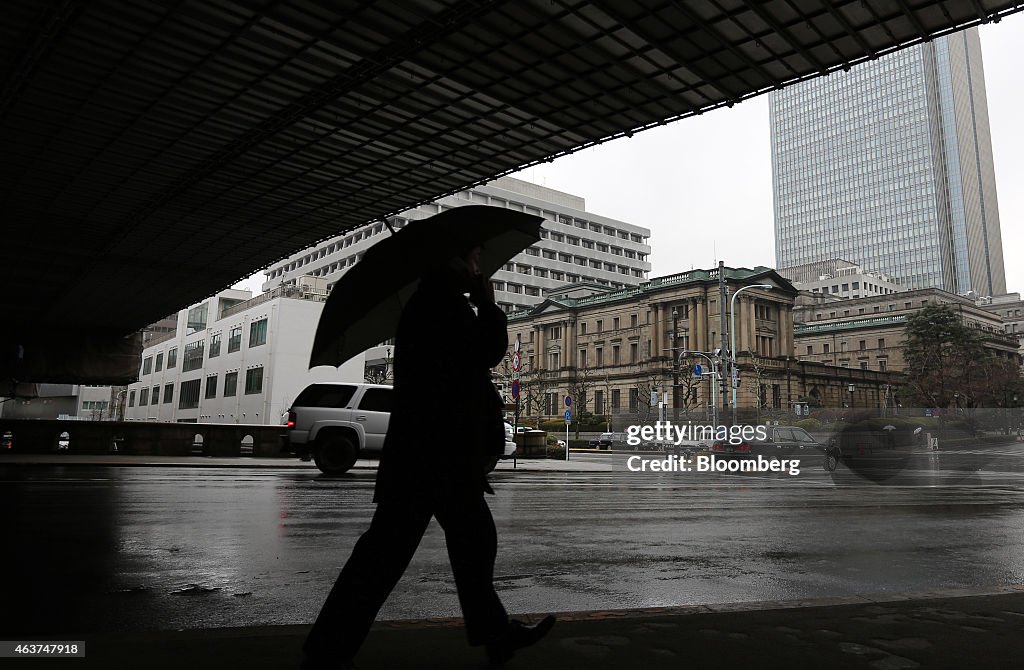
(889, 165)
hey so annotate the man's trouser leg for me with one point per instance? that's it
(378, 561)
(472, 547)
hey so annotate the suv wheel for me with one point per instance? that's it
(335, 453)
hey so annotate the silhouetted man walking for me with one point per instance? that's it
(444, 350)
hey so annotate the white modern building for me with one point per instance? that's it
(235, 358)
(576, 245)
(840, 279)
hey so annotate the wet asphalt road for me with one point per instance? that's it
(106, 548)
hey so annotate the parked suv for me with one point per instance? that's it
(334, 424)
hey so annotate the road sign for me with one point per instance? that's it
(568, 401)
(515, 389)
(698, 369)
(517, 360)
(568, 415)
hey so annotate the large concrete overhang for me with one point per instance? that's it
(155, 152)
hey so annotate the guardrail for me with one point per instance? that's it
(28, 436)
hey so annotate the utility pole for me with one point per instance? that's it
(723, 293)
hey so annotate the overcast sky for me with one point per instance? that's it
(703, 185)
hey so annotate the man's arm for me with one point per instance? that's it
(490, 339)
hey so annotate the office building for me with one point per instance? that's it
(575, 245)
(889, 166)
(235, 358)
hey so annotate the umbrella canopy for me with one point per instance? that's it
(366, 303)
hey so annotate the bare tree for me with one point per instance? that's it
(756, 375)
(580, 384)
(534, 385)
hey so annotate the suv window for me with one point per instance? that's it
(325, 395)
(376, 400)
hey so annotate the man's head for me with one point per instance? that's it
(463, 270)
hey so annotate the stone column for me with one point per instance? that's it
(657, 348)
(751, 329)
(541, 360)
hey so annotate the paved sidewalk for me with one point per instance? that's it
(126, 460)
(957, 629)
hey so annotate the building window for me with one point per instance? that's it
(188, 394)
(131, 398)
(159, 362)
(882, 365)
(599, 402)
(600, 356)
(211, 387)
(824, 348)
(634, 400)
(615, 354)
(633, 352)
(600, 326)
(172, 358)
(632, 321)
(168, 393)
(254, 380)
(881, 343)
(583, 358)
(615, 399)
(810, 349)
(143, 397)
(583, 327)
(155, 396)
(147, 365)
(615, 323)
(230, 384)
(214, 345)
(193, 358)
(235, 339)
(863, 344)
(196, 319)
(257, 333)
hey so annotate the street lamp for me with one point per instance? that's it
(732, 338)
(851, 388)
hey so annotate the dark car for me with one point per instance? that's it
(608, 441)
(781, 442)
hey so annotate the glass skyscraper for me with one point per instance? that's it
(889, 166)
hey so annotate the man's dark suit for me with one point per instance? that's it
(442, 431)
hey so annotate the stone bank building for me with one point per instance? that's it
(611, 349)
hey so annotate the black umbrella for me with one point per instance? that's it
(366, 303)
